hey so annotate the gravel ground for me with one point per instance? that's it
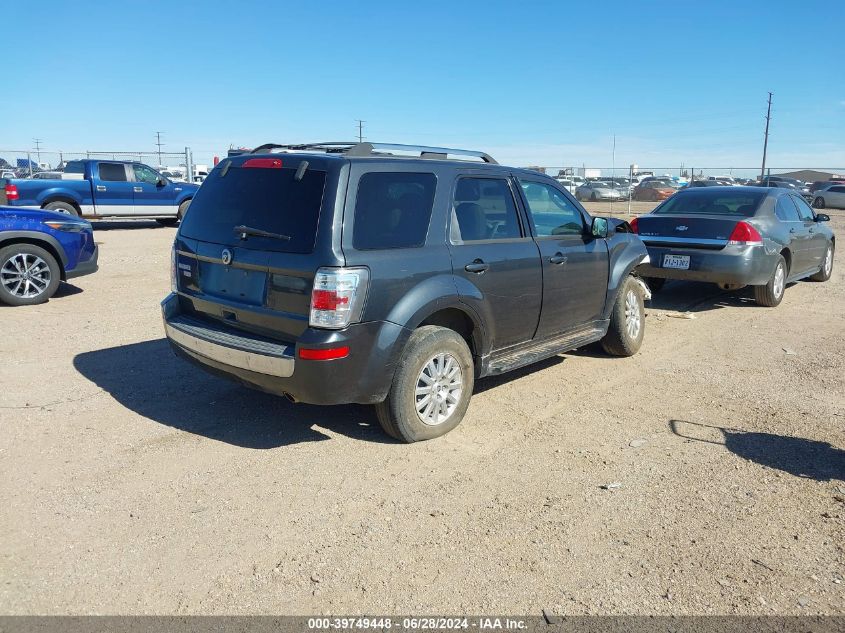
(702, 476)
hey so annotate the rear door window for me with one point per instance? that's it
(267, 199)
(393, 210)
(113, 172)
(785, 210)
(483, 209)
(804, 211)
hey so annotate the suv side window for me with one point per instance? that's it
(483, 209)
(551, 212)
(145, 174)
(112, 172)
(785, 210)
(804, 210)
(393, 210)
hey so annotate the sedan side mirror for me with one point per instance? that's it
(822, 217)
(599, 227)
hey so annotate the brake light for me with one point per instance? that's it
(12, 191)
(634, 225)
(337, 298)
(324, 354)
(744, 233)
(263, 163)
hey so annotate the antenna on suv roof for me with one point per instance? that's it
(378, 149)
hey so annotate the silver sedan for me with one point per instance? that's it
(831, 197)
(597, 190)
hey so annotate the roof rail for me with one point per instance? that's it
(377, 149)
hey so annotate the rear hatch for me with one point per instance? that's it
(698, 218)
(249, 245)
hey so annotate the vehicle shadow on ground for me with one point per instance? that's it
(150, 380)
(66, 290)
(114, 225)
(491, 382)
(797, 456)
(691, 296)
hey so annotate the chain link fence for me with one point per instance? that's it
(50, 163)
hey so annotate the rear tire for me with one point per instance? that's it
(827, 265)
(627, 321)
(771, 294)
(426, 383)
(43, 280)
(62, 207)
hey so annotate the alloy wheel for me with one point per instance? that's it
(25, 275)
(438, 390)
(633, 317)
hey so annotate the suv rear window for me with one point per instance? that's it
(393, 210)
(269, 200)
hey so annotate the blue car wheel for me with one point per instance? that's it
(28, 275)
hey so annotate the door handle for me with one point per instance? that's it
(137, 189)
(792, 230)
(558, 258)
(477, 267)
(101, 187)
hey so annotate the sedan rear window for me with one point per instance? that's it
(704, 202)
(269, 200)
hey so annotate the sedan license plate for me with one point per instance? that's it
(680, 262)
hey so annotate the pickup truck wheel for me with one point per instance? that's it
(28, 275)
(627, 321)
(431, 388)
(183, 208)
(62, 207)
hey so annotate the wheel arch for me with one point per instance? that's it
(45, 242)
(460, 321)
(787, 255)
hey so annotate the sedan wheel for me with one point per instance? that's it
(827, 266)
(818, 203)
(771, 294)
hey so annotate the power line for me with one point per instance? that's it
(766, 138)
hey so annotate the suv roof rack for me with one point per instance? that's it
(376, 149)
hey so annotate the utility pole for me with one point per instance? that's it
(766, 138)
(37, 142)
(360, 130)
(158, 142)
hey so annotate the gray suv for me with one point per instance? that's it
(393, 275)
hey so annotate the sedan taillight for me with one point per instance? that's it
(744, 234)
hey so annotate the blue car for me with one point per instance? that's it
(39, 250)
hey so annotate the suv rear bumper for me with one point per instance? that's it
(364, 376)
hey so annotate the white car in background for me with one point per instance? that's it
(831, 197)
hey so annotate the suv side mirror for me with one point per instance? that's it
(822, 217)
(599, 227)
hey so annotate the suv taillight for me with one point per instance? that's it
(743, 234)
(337, 298)
(12, 191)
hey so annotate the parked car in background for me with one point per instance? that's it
(737, 236)
(787, 184)
(824, 184)
(832, 197)
(597, 190)
(7, 173)
(653, 190)
(286, 277)
(39, 250)
(567, 184)
(47, 175)
(104, 188)
(705, 183)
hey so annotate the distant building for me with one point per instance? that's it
(810, 175)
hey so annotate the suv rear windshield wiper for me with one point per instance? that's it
(243, 231)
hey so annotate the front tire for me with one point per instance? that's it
(627, 321)
(818, 203)
(29, 275)
(62, 207)
(771, 294)
(827, 265)
(431, 388)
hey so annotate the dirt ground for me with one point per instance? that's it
(131, 482)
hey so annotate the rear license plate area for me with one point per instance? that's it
(678, 262)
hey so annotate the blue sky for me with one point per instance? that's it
(532, 83)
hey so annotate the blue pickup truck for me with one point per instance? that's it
(103, 188)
